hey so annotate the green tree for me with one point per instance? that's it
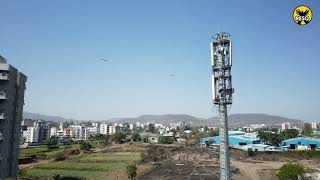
(106, 140)
(291, 171)
(275, 139)
(119, 137)
(136, 136)
(289, 134)
(270, 138)
(165, 140)
(52, 142)
(212, 132)
(131, 171)
(85, 146)
(97, 137)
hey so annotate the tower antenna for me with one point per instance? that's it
(221, 61)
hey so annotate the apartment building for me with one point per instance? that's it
(107, 129)
(12, 87)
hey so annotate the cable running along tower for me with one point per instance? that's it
(221, 61)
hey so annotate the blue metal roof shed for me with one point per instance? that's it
(235, 138)
(313, 143)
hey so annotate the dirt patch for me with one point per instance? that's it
(181, 170)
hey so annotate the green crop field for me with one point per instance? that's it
(43, 151)
(89, 166)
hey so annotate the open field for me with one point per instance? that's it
(89, 166)
(171, 162)
(43, 151)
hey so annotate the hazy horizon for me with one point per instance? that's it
(124, 117)
(59, 44)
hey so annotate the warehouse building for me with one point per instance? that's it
(235, 138)
(261, 148)
(296, 143)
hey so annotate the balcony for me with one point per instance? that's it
(2, 116)
(3, 95)
(4, 76)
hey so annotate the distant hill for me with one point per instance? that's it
(164, 119)
(235, 120)
(29, 115)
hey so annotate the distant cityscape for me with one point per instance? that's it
(37, 131)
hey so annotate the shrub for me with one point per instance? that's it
(291, 171)
(72, 151)
(60, 156)
(131, 171)
(22, 172)
(58, 177)
(85, 146)
(165, 140)
(119, 137)
(136, 136)
(52, 142)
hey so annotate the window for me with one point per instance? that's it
(299, 143)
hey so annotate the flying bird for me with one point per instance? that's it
(171, 75)
(104, 59)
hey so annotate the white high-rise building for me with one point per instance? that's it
(107, 129)
(78, 132)
(53, 131)
(32, 134)
(285, 126)
(103, 128)
(314, 125)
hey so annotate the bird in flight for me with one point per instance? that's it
(104, 59)
(171, 75)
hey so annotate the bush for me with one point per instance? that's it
(119, 137)
(291, 171)
(87, 146)
(165, 140)
(136, 136)
(60, 156)
(72, 151)
(143, 156)
(21, 172)
(52, 142)
(58, 177)
(131, 171)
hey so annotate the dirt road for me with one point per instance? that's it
(44, 161)
(253, 170)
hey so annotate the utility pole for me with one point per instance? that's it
(221, 61)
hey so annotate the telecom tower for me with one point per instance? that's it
(221, 61)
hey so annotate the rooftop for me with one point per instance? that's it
(303, 138)
(2, 59)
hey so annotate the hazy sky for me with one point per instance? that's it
(57, 44)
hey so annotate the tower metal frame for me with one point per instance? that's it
(221, 61)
